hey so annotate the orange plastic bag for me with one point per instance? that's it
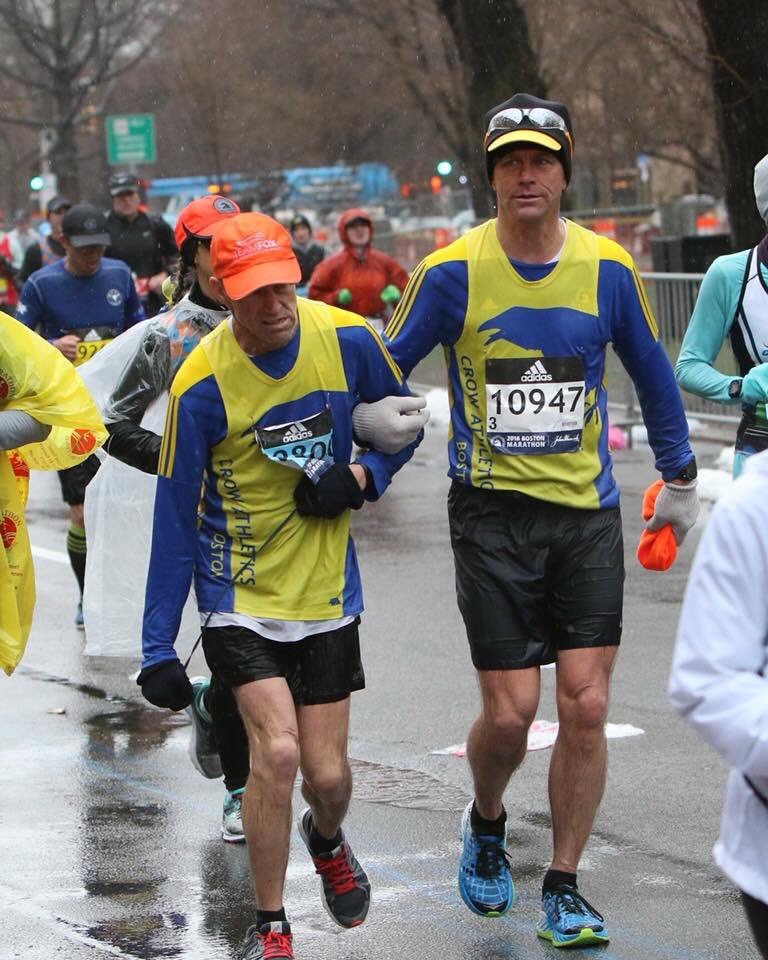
(657, 550)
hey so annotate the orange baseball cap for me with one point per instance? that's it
(250, 251)
(199, 216)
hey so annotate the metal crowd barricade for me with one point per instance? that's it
(672, 297)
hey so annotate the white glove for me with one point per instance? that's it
(390, 424)
(677, 504)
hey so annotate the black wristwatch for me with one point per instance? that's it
(734, 389)
(689, 471)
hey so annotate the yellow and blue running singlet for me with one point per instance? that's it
(525, 351)
(223, 404)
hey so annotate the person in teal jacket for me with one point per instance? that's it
(733, 303)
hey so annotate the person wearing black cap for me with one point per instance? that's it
(49, 250)
(524, 307)
(145, 243)
(308, 253)
(78, 304)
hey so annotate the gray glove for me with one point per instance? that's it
(18, 429)
(390, 424)
(677, 505)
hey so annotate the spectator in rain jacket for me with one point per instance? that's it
(358, 278)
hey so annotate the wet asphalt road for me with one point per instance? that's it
(109, 842)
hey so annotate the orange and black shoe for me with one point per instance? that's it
(270, 941)
(345, 885)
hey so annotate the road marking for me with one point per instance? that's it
(45, 554)
(543, 734)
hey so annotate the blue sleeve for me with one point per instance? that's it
(372, 374)
(134, 312)
(30, 310)
(194, 424)
(635, 339)
(708, 329)
(430, 312)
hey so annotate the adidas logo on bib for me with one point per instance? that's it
(536, 373)
(297, 431)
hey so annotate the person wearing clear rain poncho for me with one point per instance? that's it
(130, 380)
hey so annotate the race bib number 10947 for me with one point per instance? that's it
(535, 405)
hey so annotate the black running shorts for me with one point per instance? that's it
(75, 479)
(322, 668)
(534, 577)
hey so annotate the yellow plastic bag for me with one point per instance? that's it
(37, 379)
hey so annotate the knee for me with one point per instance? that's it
(509, 722)
(329, 781)
(586, 708)
(277, 760)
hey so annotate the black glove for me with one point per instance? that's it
(166, 685)
(134, 445)
(336, 491)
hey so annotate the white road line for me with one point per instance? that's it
(45, 554)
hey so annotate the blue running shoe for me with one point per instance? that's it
(567, 920)
(485, 880)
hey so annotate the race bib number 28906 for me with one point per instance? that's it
(535, 405)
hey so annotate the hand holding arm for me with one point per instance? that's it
(390, 424)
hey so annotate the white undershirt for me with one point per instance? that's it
(282, 631)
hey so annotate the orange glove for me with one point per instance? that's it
(657, 550)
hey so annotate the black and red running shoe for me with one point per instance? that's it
(270, 941)
(346, 887)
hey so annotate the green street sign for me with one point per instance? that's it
(130, 138)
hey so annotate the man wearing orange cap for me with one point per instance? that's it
(265, 401)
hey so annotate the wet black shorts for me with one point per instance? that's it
(75, 479)
(533, 577)
(322, 668)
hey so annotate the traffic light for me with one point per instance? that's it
(435, 183)
(444, 168)
(36, 183)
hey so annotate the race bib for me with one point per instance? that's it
(87, 349)
(535, 405)
(304, 445)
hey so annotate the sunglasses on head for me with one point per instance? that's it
(512, 117)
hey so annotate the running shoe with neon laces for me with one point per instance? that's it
(270, 941)
(232, 818)
(568, 920)
(345, 885)
(485, 880)
(79, 622)
(203, 751)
